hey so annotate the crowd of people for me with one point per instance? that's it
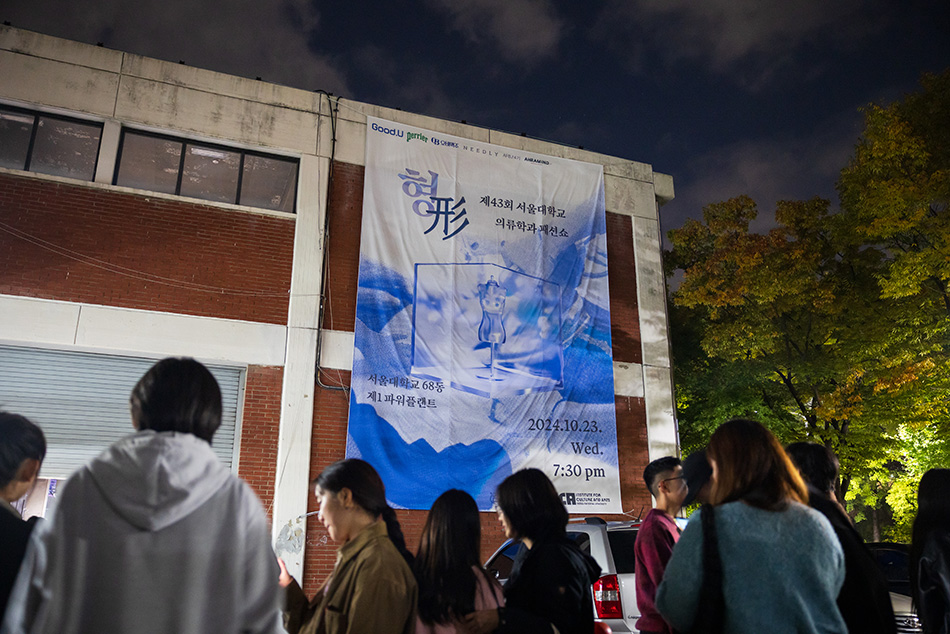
(156, 535)
(771, 549)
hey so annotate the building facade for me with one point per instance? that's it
(150, 209)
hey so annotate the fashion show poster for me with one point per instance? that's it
(482, 341)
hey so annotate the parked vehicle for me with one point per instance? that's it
(893, 560)
(611, 545)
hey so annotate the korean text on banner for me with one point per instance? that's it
(482, 341)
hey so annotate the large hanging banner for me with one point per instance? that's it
(482, 321)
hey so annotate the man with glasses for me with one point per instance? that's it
(655, 540)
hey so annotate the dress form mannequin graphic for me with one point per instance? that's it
(491, 330)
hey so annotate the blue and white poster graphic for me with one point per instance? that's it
(482, 321)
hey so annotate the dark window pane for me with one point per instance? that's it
(66, 148)
(581, 540)
(621, 545)
(149, 162)
(269, 183)
(15, 131)
(210, 174)
(501, 565)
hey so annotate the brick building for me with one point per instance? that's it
(150, 209)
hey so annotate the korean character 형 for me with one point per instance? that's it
(415, 185)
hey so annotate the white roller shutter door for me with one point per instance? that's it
(81, 401)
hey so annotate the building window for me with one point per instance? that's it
(209, 172)
(48, 144)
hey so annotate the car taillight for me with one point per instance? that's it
(607, 598)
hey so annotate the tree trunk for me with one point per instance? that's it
(875, 525)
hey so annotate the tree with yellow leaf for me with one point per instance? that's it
(831, 327)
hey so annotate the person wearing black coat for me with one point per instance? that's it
(930, 552)
(864, 600)
(550, 578)
(22, 449)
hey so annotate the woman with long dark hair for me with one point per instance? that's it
(756, 559)
(371, 588)
(452, 582)
(551, 578)
(930, 552)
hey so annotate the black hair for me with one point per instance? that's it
(448, 558)
(933, 512)
(369, 494)
(697, 473)
(532, 505)
(177, 394)
(655, 468)
(19, 440)
(816, 463)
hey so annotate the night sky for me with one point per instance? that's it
(728, 96)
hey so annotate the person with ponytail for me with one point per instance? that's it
(371, 588)
(756, 558)
(452, 582)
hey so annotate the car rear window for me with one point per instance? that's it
(501, 565)
(582, 540)
(621, 545)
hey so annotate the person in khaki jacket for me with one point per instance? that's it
(371, 588)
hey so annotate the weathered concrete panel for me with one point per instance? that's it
(628, 379)
(220, 83)
(108, 151)
(38, 321)
(168, 334)
(651, 290)
(630, 197)
(662, 436)
(56, 49)
(336, 350)
(663, 185)
(47, 82)
(308, 243)
(350, 141)
(250, 123)
(291, 488)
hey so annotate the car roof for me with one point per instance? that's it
(591, 524)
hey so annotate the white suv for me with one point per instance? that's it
(611, 546)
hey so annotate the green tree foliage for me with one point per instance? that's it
(833, 326)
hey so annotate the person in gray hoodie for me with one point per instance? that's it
(155, 534)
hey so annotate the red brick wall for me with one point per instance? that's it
(260, 431)
(346, 217)
(331, 406)
(84, 244)
(624, 315)
(633, 454)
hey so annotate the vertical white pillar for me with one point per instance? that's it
(662, 436)
(291, 489)
(108, 151)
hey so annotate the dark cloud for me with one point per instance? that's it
(768, 169)
(249, 38)
(523, 31)
(751, 41)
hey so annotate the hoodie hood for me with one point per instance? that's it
(154, 479)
